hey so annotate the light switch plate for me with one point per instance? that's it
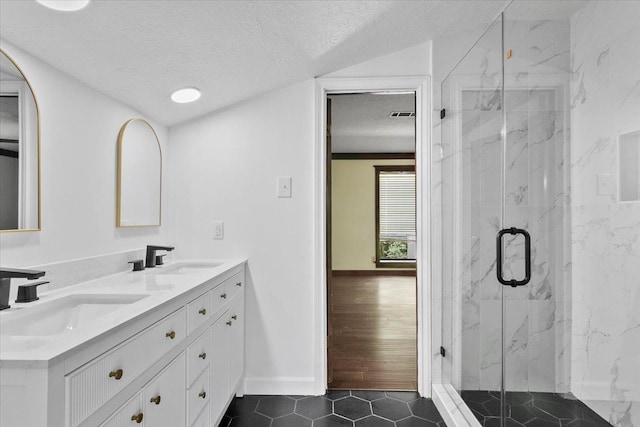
(218, 230)
(284, 186)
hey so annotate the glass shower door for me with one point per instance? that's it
(504, 204)
(472, 209)
(536, 241)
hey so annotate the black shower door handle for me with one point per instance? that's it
(527, 256)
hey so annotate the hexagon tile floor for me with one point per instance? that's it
(531, 410)
(335, 409)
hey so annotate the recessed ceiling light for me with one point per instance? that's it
(64, 5)
(188, 94)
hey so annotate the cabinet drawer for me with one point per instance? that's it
(235, 284)
(198, 395)
(127, 415)
(219, 297)
(204, 418)
(199, 311)
(198, 356)
(92, 385)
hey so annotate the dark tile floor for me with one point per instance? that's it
(531, 410)
(335, 409)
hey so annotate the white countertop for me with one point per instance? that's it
(159, 286)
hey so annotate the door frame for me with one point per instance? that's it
(421, 86)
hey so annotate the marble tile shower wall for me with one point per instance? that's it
(536, 197)
(605, 103)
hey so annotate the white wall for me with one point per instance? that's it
(79, 129)
(224, 167)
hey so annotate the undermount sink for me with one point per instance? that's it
(187, 268)
(64, 314)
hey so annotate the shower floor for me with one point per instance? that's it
(531, 410)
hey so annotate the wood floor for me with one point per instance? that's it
(373, 321)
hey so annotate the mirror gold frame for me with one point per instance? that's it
(39, 180)
(119, 202)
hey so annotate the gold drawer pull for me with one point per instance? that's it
(171, 334)
(203, 311)
(223, 295)
(116, 374)
(234, 317)
(202, 356)
(155, 400)
(137, 418)
(202, 394)
(239, 284)
(229, 323)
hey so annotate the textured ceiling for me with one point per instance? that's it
(140, 51)
(360, 123)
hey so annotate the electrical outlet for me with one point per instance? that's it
(218, 230)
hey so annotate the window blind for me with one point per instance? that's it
(397, 204)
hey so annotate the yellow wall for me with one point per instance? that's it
(353, 212)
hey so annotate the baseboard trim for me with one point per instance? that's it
(280, 385)
(403, 272)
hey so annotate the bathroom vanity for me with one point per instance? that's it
(159, 347)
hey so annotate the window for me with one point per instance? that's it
(395, 216)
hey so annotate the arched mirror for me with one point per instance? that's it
(139, 175)
(19, 150)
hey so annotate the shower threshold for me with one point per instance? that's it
(531, 409)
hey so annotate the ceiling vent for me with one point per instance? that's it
(402, 114)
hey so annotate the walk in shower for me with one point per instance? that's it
(540, 200)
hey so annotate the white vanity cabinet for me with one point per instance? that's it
(176, 363)
(206, 375)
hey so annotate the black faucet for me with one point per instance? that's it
(6, 274)
(151, 254)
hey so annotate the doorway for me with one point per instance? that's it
(372, 335)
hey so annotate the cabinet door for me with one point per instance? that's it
(219, 366)
(130, 414)
(236, 345)
(165, 396)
